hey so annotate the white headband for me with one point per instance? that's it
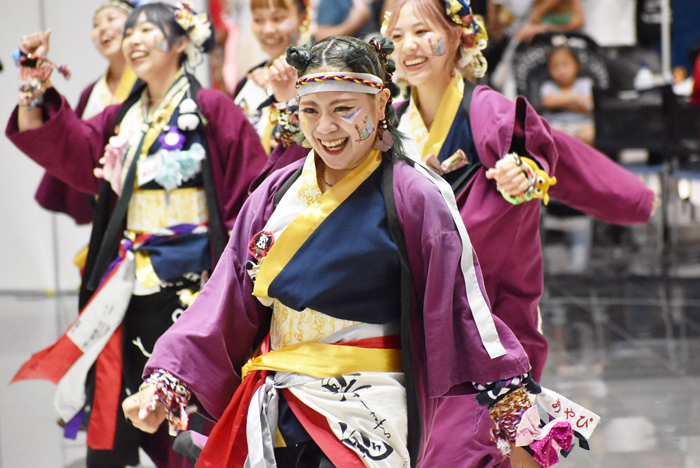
(339, 82)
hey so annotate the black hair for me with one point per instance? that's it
(564, 48)
(163, 16)
(352, 55)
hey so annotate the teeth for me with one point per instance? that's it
(106, 38)
(137, 55)
(334, 144)
(415, 61)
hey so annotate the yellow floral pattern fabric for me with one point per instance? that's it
(155, 209)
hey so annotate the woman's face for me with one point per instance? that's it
(341, 126)
(276, 28)
(147, 52)
(107, 32)
(422, 52)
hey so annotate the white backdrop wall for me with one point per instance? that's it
(37, 247)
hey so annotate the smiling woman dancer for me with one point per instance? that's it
(473, 134)
(177, 162)
(351, 274)
(276, 25)
(112, 88)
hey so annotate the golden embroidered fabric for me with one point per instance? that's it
(153, 209)
(291, 326)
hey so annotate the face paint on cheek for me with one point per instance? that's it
(162, 44)
(351, 116)
(366, 130)
(438, 45)
(304, 126)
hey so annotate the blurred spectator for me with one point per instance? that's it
(567, 97)
(552, 16)
(695, 95)
(359, 18)
(513, 22)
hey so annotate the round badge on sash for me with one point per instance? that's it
(261, 244)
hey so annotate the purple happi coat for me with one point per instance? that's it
(506, 238)
(69, 148)
(209, 344)
(55, 195)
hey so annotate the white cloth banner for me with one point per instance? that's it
(92, 331)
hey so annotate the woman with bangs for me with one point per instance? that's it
(497, 155)
(172, 166)
(112, 88)
(277, 24)
(348, 299)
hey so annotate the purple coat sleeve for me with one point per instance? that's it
(586, 179)
(55, 195)
(66, 146)
(455, 355)
(237, 156)
(215, 337)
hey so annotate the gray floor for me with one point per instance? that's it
(626, 351)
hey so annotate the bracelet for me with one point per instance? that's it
(31, 93)
(492, 392)
(173, 394)
(506, 415)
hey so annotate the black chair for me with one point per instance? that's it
(530, 63)
(631, 119)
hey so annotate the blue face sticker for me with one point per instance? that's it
(437, 46)
(162, 44)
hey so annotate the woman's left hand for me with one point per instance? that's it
(282, 78)
(509, 178)
(519, 458)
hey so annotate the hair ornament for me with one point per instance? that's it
(197, 27)
(474, 36)
(385, 23)
(298, 57)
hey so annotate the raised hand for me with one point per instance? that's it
(282, 78)
(36, 43)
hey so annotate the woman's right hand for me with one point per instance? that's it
(36, 43)
(136, 410)
(283, 79)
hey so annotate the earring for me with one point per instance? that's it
(305, 144)
(384, 139)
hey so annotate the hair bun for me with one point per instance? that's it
(355, 54)
(298, 57)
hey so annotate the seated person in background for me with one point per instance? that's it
(358, 18)
(552, 16)
(568, 98)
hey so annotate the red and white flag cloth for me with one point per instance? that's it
(67, 362)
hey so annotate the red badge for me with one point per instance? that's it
(261, 244)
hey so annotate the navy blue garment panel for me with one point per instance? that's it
(349, 267)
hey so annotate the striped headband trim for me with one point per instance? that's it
(339, 82)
